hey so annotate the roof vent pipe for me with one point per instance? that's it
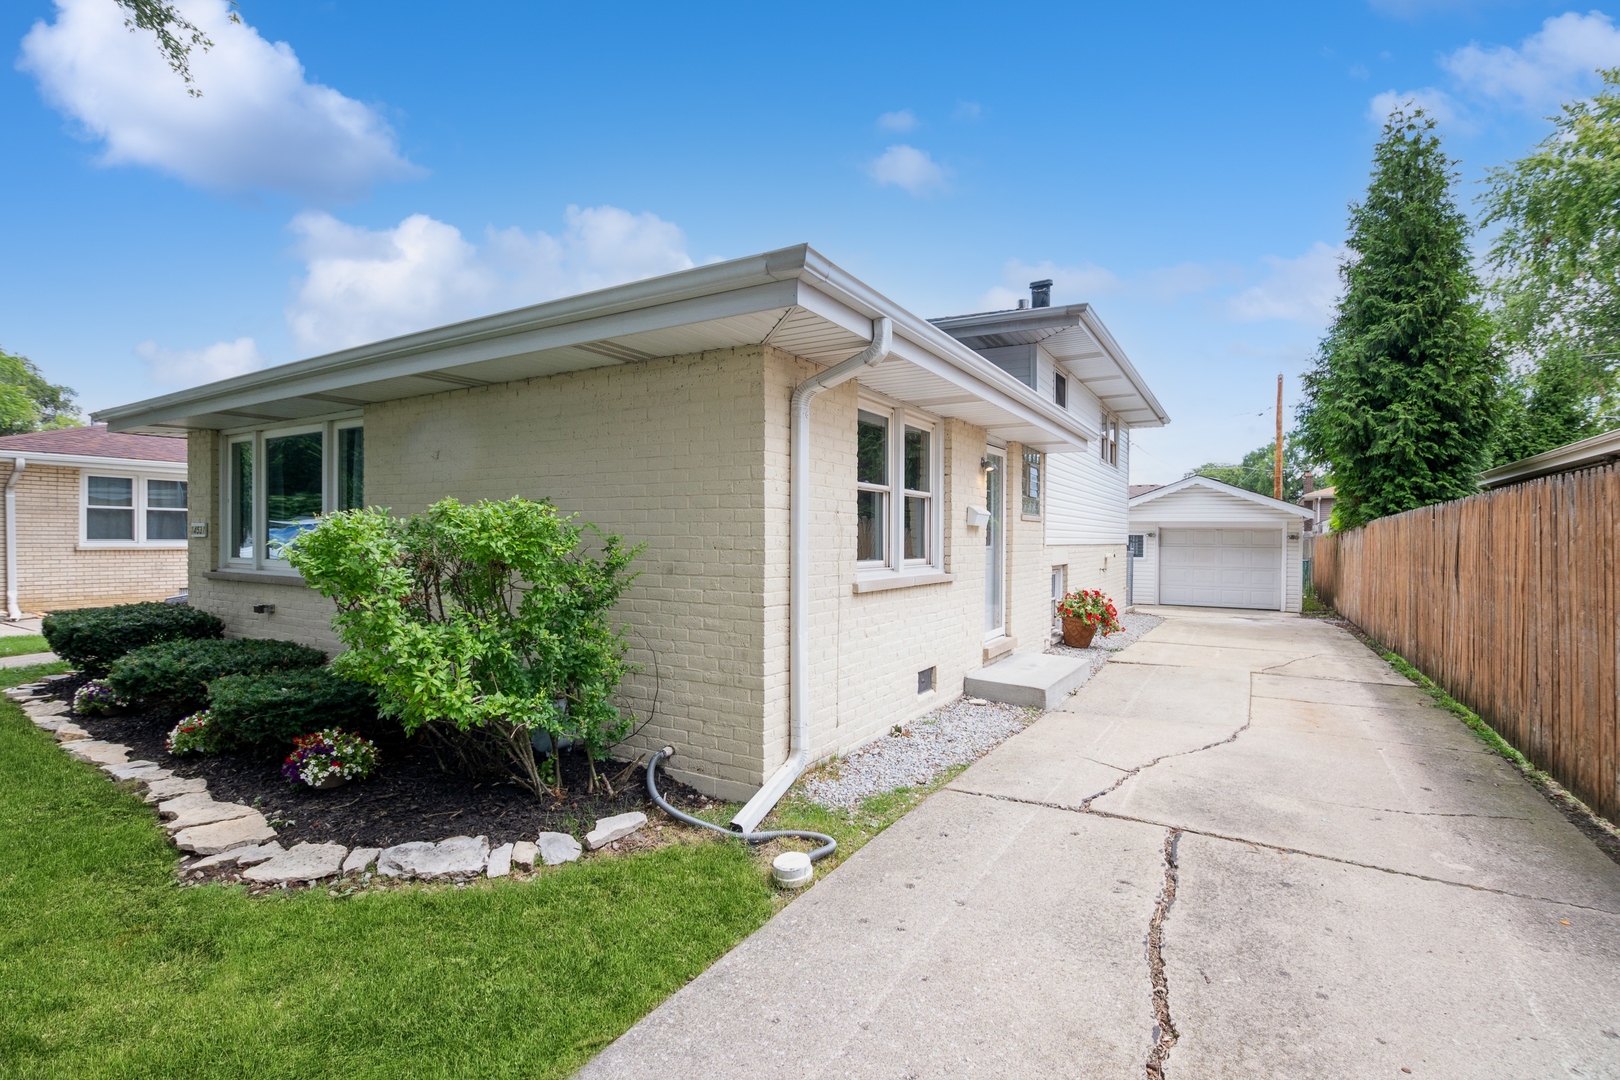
(749, 817)
(1022, 303)
(1040, 293)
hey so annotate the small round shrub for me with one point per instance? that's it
(92, 638)
(175, 674)
(196, 734)
(329, 754)
(282, 706)
(96, 698)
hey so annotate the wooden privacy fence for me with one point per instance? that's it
(1506, 599)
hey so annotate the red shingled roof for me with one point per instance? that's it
(95, 441)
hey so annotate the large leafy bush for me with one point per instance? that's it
(486, 621)
(176, 674)
(92, 638)
(280, 707)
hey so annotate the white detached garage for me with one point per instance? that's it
(1208, 544)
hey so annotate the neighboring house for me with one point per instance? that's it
(1582, 454)
(1067, 356)
(830, 489)
(1210, 544)
(1320, 503)
(92, 517)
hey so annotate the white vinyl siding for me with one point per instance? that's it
(1085, 499)
(1235, 568)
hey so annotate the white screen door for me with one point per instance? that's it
(995, 561)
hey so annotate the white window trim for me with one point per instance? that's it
(259, 563)
(1108, 444)
(138, 480)
(895, 570)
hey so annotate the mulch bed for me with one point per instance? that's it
(408, 798)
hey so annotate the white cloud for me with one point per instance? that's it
(191, 367)
(900, 120)
(909, 168)
(968, 110)
(1436, 103)
(1550, 66)
(1304, 289)
(364, 285)
(259, 125)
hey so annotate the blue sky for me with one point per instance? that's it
(356, 170)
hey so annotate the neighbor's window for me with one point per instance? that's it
(896, 497)
(1032, 483)
(1109, 443)
(872, 480)
(1060, 391)
(123, 510)
(278, 482)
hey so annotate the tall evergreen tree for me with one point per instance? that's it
(1402, 396)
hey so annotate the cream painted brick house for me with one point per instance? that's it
(663, 410)
(92, 517)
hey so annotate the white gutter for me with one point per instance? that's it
(18, 464)
(749, 817)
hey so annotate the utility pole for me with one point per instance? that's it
(1277, 479)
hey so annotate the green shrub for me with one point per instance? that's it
(280, 707)
(482, 623)
(92, 638)
(176, 674)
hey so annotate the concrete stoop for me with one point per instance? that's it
(1031, 679)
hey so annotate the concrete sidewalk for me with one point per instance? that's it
(1246, 847)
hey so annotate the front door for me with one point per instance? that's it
(995, 548)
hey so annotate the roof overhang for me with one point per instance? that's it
(1144, 500)
(793, 299)
(1598, 450)
(92, 461)
(1079, 342)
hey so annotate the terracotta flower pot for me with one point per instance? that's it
(1077, 633)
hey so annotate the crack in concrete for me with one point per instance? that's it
(1187, 829)
(1165, 1034)
(1085, 804)
(1425, 813)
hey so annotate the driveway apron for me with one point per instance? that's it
(1245, 848)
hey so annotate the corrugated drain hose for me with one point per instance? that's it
(791, 869)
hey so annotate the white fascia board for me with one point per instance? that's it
(922, 343)
(408, 356)
(1221, 488)
(1117, 354)
(90, 461)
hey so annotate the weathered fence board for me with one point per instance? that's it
(1508, 600)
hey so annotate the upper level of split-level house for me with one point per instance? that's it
(943, 487)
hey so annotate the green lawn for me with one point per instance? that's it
(109, 969)
(22, 645)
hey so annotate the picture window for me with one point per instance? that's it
(278, 482)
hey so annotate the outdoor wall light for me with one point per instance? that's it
(986, 465)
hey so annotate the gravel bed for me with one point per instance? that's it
(1103, 647)
(954, 734)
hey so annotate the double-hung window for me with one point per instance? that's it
(277, 482)
(897, 468)
(1030, 507)
(1108, 444)
(124, 510)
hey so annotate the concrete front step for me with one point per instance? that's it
(1030, 679)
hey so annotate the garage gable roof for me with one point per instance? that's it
(793, 299)
(1221, 488)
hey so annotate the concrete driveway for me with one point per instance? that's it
(1246, 848)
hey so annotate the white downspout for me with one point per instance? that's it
(749, 817)
(13, 612)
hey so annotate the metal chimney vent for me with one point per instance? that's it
(1040, 293)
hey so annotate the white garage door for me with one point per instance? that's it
(1239, 568)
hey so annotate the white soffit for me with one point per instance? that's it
(792, 300)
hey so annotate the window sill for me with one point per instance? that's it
(130, 545)
(889, 580)
(259, 577)
(1029, 517)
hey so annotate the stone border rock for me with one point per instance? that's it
(223, 836)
